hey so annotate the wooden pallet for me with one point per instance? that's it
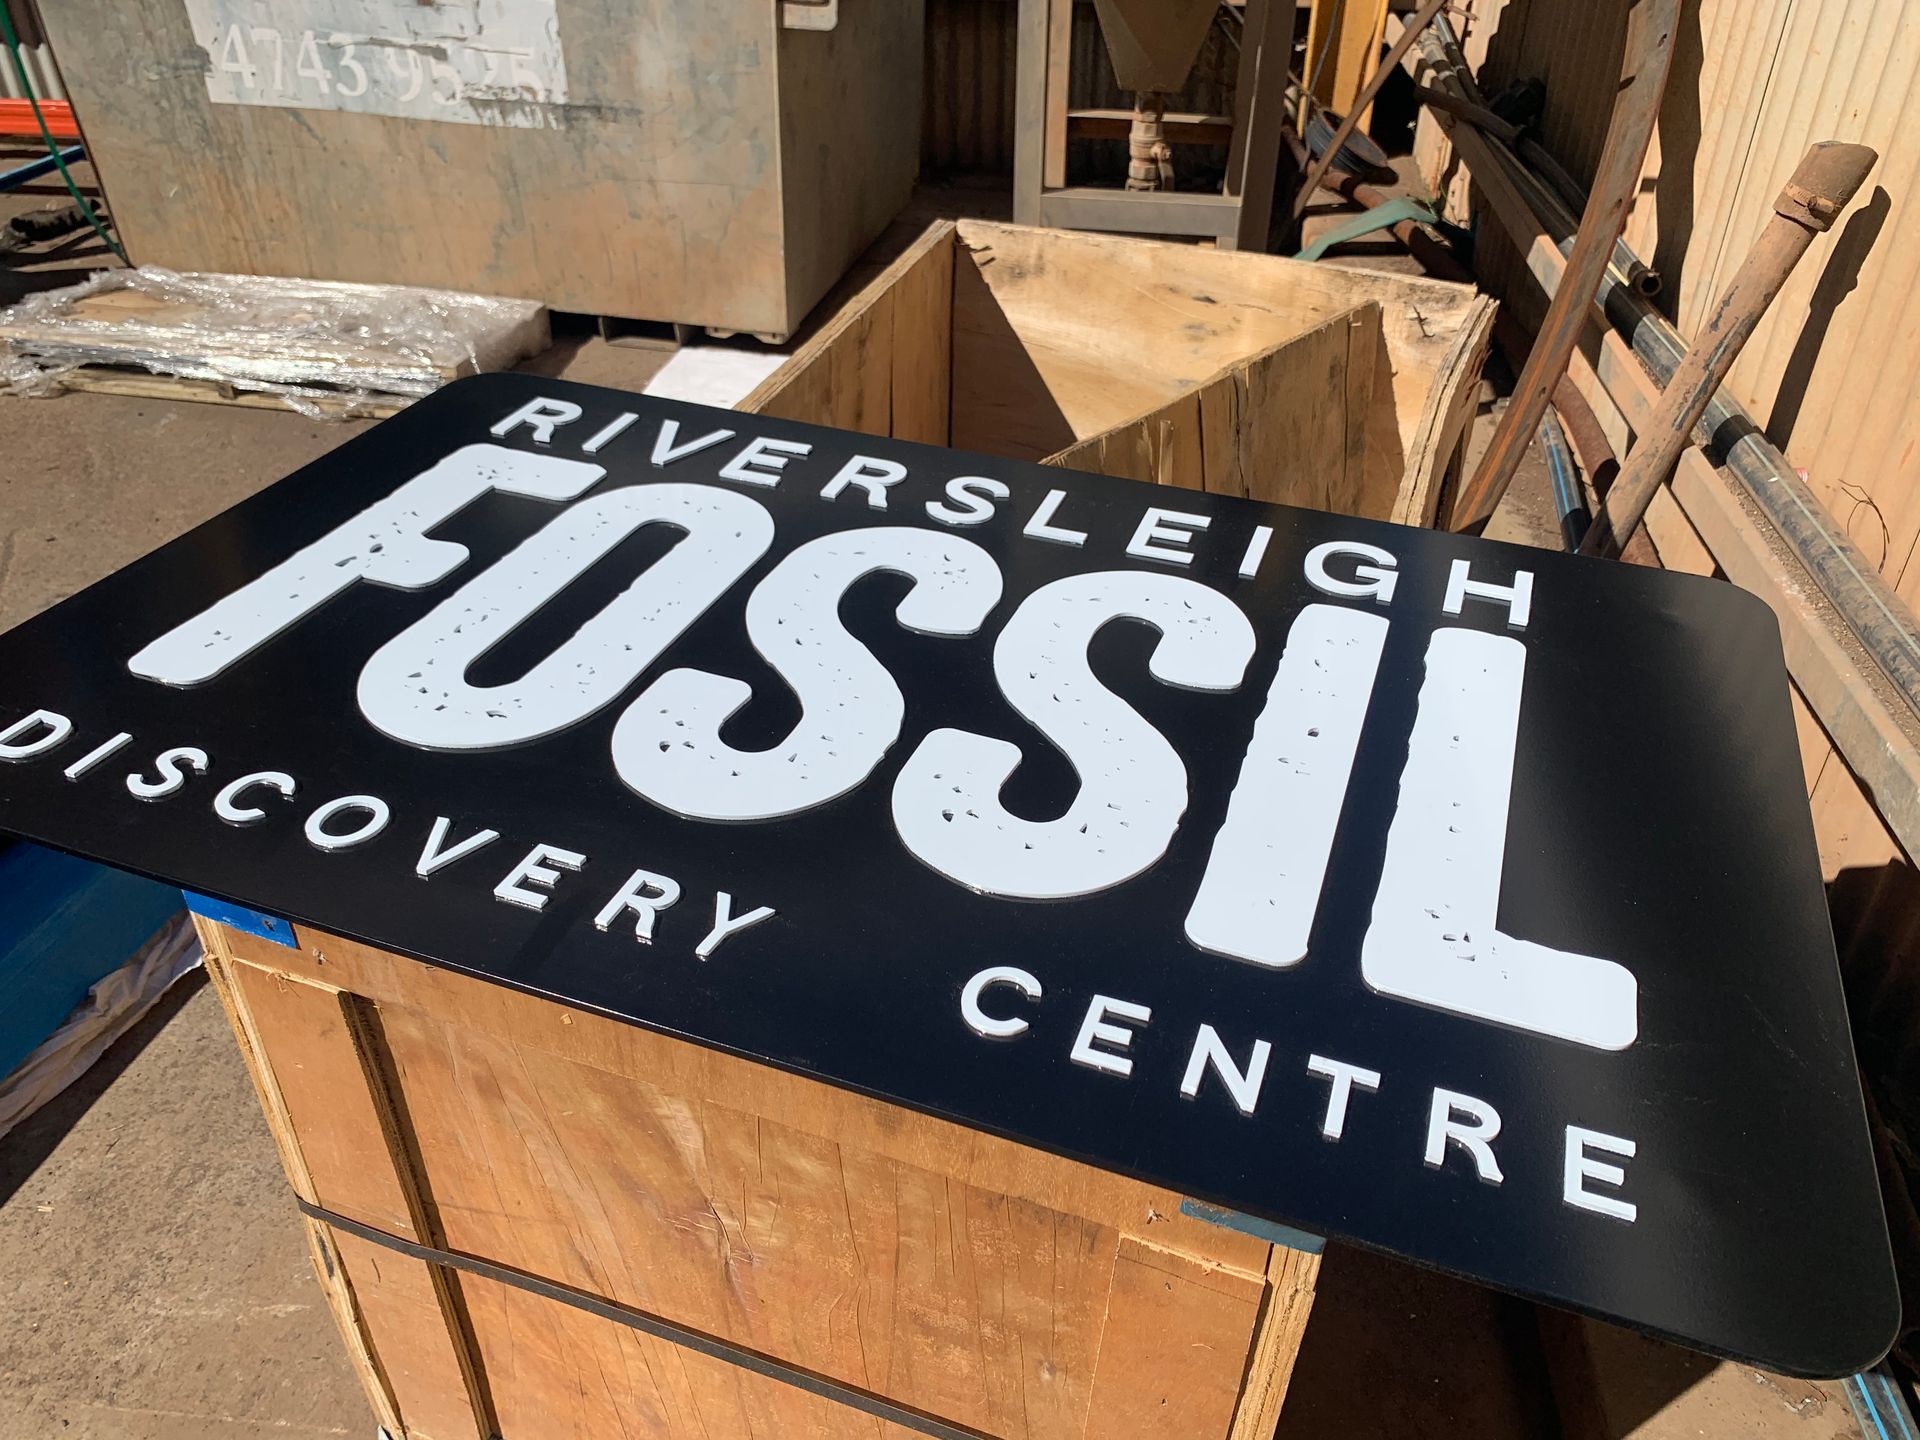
(143, 385)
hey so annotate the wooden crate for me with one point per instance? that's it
(998, 1288)
(1241, 374)
(707, 163)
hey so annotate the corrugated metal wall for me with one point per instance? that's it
(1833, 371)
(967, 120)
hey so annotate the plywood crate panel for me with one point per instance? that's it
(1231, 372)
(984, 1283)
(669, 160)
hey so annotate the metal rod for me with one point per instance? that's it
(45, 165)
(1819, 190)
(1643, 79)
(1568, 501)
(1852, 584)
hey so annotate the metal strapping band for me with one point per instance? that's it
(696, 1340)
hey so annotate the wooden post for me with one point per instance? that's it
(1343, 36)
(1643, 79)
(1820, 188)
(1058, 84)
(1029, 110)
(1409, 33)
(1260, 113)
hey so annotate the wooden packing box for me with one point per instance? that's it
(1003, 1290)
(708, 164)
(986, 1286)
(1236, 373)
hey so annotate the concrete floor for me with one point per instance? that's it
(160, 1289)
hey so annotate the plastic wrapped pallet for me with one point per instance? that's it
(319, 347)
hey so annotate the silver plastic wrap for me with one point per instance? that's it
(325, 347)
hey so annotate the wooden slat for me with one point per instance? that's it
(1030, 109)
(1059, 120)
(804, 1105)
(1343, 43)
(395, 1314)
(327, 1268)
(302, 1031)
(1170, 1317)
(1032, 375)
(922, 348)
(402, 1304)
(1288, 425)
(1291, 1276)
(845, 374)
(563, 1375)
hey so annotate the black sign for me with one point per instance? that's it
(1453, 898)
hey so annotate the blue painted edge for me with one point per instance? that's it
(1879, 1409)
(268, 927)
(1284, 1235)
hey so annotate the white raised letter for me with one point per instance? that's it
(377, 816)
(94, 756)
(1433, 938)
(1580, 1168)
(1256, 551)
(541, 416)
(872, 476)
(171, 765)
(1041, 526)
(1517, 597)
(759, 452)
(436, 854)
(1095, 1027)
(612, 430)
(415, 688)
(1374, 582)
(384, 544)
(646, 895)
(667, 449)
(54, 729)
(974, 494)
(1244, 1086)
(536, 867)
(667, 744)
(989, 1026)
(1344, 1078)
(1160, 530)
(1262, 883)
(726, 923)
(1133, 786)
(1474, 1135)
(226, 804)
